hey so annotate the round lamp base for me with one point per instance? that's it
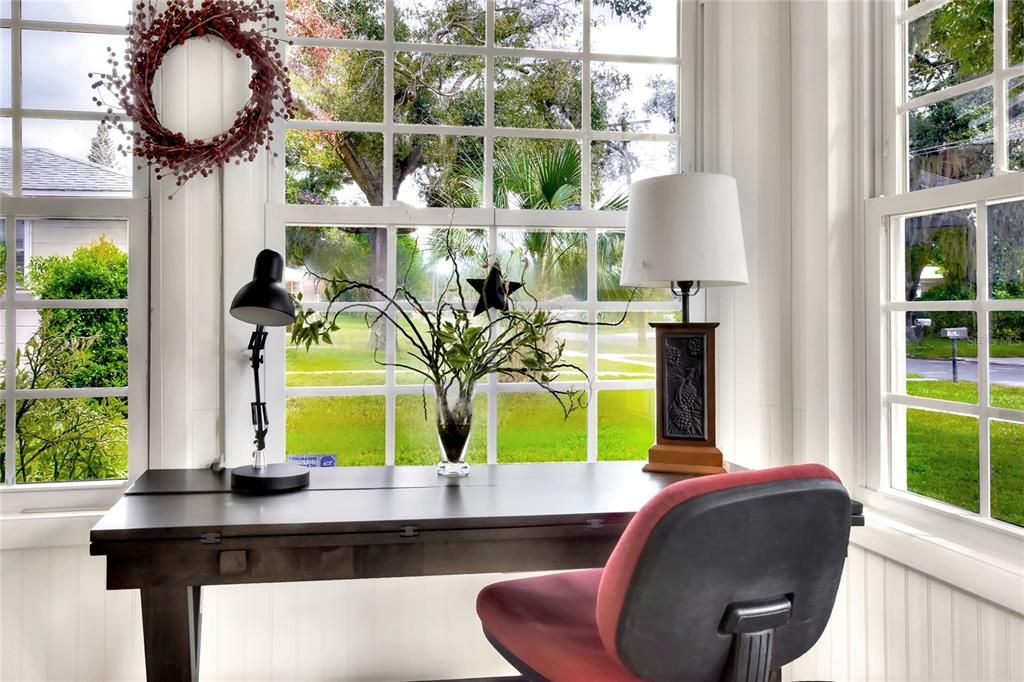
(273, 478)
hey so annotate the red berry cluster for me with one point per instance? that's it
(248, 26)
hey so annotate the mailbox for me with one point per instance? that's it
(923, 322)
(957, 333)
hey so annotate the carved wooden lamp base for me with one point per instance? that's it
(685, 400)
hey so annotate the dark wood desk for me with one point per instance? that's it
(176, 530)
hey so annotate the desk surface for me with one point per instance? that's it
(184, 504)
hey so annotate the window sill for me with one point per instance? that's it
(995, 574)
(51, 515)
(54, 529)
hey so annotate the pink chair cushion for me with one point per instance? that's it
(548, 623)
(618, 572)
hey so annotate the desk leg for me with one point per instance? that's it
(170, 627)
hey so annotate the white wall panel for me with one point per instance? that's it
(914, 629)
(59, 624)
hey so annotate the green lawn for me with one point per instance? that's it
(531, 428)
(936, 348)
(942, 451)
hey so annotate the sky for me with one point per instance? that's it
(55, 69)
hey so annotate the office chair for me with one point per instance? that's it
(722, 578)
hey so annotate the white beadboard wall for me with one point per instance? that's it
(891, 623)
(60, 624)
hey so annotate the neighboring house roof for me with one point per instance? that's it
(46, 172)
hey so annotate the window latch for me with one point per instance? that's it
(595, 523)
(209, 538)
(409, 531)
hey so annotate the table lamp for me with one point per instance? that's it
(264, 303)
(684, 232)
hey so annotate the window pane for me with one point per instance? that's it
(82, 258)
(930, 365)
(362, 20)
(404, 354)
(66, 348)
(3, 441)
(354, 253)
(951, 45)
(110, 12)
(939, 256)
(614, 166)
(74, 158)
(539, 24)
(537, 93)
(942, 457)
(5, 65)
(1015, 124)
(1006, 249)
(626, 351)
(533, 428)
(334, 168)
(416, 436)
(350, 428)
(647, 28)
(609, 268)
(450, 22)
(443, 89)
(425, 270)
(439, 170)
(3, 256)
(1007, 441)
(1006, 360)
(574, 356)
(537, 174)
(1015, 32)
(56, 65)
(551, 264)
(6, 161)
(634, 97)
(71, 439)
(951, 141)
(625, 424)
(349, 360)
(332, 84)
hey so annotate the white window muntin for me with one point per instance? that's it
(75, 495)
(392, 215)
(90, 494)
(499, 219)
(16, 113)
(885, 350)
(894, 84)
(684, 137)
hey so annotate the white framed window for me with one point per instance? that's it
(944, 274)
(75, 241)
(445, 101)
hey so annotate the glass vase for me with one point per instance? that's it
(454, 426)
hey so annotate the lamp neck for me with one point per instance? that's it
(257, 342)
(685, 289)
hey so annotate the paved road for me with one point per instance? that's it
(1009, 372)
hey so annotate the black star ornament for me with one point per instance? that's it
(494, 291)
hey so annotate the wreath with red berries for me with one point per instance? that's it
(248, 27)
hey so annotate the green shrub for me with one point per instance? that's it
(96, 271)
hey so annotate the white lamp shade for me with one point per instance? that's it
(683, 228)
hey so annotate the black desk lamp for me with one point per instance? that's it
(264, 303)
